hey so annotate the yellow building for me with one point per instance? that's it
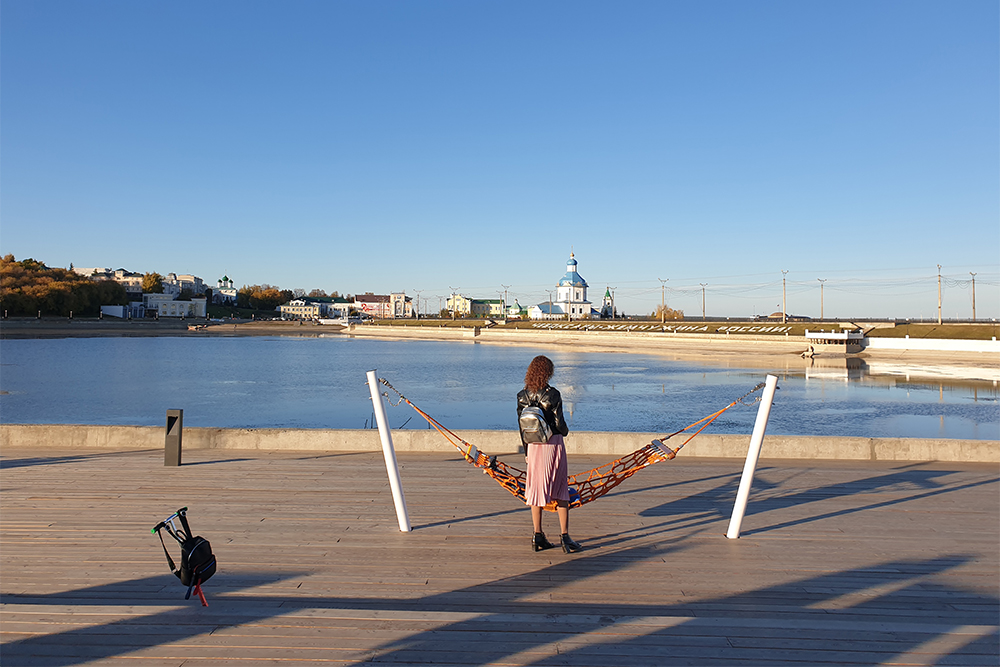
(300, 309)
(487, 307)
(460, 305)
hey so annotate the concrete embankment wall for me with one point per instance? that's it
(71, 436)
(635, 340)
(644, 341)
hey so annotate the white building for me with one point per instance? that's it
(570, 301)
(165, 306)
(185, 281)
(225, 291)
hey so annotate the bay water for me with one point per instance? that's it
(286, 382)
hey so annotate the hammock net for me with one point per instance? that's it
(586, 486)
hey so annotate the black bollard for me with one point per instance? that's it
(172, 443)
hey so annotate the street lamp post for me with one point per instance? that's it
(973, 295)
(454, 304)
(505, 288)
(939, 293)
(784, 310)
(614, 311)
(663, 302)
(821, 281)
(417, 292)
(703, 285)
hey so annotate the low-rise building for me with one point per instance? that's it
(516, 311)
(384, 306)
(165, 305)
(311, 308)
(97, 272)
(487, 307)
(460, 306)
(224, 292)
(374, 305)
(300, 309)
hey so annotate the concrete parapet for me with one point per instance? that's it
(75, 436)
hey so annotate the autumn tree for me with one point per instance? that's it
(261, 297)
(29, 286)
(152, 283)
(668, 313)
(317, 293)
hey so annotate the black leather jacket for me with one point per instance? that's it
(550, 401)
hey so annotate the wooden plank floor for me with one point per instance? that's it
(840, 564)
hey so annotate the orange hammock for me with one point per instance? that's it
(585, 486)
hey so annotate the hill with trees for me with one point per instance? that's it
(29, 286)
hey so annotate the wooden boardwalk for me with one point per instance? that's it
(840, 564)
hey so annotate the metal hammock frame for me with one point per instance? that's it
(586, 486)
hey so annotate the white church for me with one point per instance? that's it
(570, 300)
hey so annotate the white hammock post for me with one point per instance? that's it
(763, 412)
(389, 453)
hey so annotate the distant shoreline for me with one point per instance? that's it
(109, 328)
(741, 349)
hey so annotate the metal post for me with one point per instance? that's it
(973, 295)
(703, 285)
(939, 293)
(391, 468)
(763, 412)
(172, 442)
(784, 309)
(821, 281)
(663, 302)
(454, 303)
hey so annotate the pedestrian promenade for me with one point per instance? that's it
(846, 563)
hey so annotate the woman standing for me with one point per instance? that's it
(547, 472)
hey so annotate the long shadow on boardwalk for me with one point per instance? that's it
(719, 500)
(864, 616)
(24, 462)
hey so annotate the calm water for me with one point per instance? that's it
(320, 383)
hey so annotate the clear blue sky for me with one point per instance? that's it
(387, 146)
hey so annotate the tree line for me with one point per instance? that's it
(28, 286)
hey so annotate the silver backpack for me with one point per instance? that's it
(534, 428)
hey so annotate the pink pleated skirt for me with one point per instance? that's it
(547, 472)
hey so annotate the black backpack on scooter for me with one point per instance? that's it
(197, 560)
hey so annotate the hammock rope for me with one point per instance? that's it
(584, 487)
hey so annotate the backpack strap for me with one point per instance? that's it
(170, 561)
(191, 588)
(182, 515)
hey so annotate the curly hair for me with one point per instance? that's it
(540, 370)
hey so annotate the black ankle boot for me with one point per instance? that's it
(569, 546)
(539, 543)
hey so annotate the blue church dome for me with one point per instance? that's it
(572, 277)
